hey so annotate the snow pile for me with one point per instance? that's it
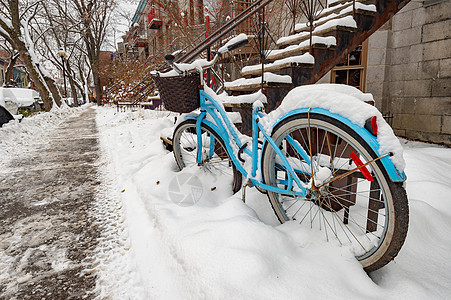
(217, 247)
(343, 100)
(16, 138)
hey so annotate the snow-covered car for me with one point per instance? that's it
(26, 98)
(8, 100)
(5, 116)
(70, 101)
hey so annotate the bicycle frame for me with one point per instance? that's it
(208, 106)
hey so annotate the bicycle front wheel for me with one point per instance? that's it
(367, 213)
(214, 157)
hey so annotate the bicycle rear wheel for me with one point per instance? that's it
(371, 217)
(215, 158)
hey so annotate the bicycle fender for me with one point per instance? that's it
(394, 174)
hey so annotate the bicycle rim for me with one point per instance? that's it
(361, 214)
(214, 158)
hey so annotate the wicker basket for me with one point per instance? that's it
(179, 93)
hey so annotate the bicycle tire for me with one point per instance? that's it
(184, 143)
(385, 221)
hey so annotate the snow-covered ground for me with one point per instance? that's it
(217, 247)
(155, 247)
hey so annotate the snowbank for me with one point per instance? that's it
(221, 248)
(16, 138)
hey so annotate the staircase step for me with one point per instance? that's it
(346, 23)
(332, 10)
(305, 60)
(359, 8)
(317, 41)
(340, 6)
(332, 3)
(254, 84)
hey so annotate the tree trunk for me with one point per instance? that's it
(73, 91)
(72, 83)
(10, 69)
(98, 87)
(54, 90)
(35, 77)
(16, 40)
(94, 58)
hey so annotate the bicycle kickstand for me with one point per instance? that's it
(243, 193)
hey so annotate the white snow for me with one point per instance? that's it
(17, 138)
(290, 38)
(237, 39)
(25, 97)
(305, 58)
(8, 100)
(267, 77)
(221, 248)
(328, 41)
(347, 21)
(358, 5)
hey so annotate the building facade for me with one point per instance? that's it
(409, 70)
(162, 26)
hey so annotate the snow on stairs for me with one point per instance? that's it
(303, 47)
(253, 84)
(305, 60)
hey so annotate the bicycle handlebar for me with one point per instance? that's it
(235, 43)
(170, 60)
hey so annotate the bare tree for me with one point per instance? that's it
(13, 56)
(93, 18)
(15, 20)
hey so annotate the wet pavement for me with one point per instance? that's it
(47, 229)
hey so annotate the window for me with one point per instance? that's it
(353, 70)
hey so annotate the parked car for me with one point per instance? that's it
(5, 116)
(8, 100)
(26, 98)
(70, 101)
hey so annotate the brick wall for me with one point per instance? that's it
(409, 71)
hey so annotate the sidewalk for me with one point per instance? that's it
(46, 233)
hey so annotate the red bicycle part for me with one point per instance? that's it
(363, 170)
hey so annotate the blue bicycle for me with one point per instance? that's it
(317, 168)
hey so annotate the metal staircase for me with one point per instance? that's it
(310, 52)
(328, 33)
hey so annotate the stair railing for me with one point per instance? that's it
(223, 30)
(310, 9)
